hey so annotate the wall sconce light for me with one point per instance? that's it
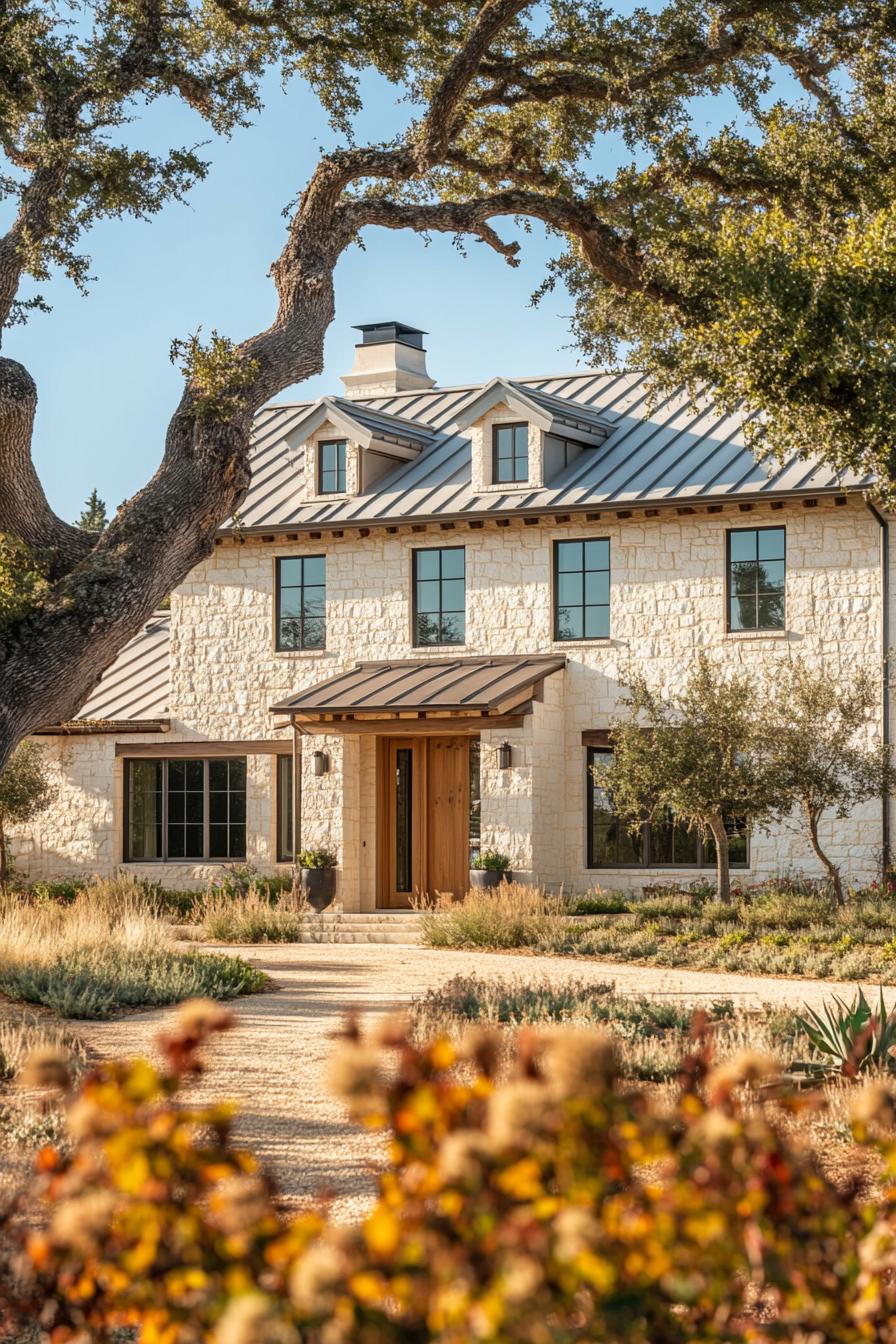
(320, 762)
(505, 756)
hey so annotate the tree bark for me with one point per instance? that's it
(723, 871)
(4, 862)
(830, 868)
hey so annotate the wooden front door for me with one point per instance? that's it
(424, 811)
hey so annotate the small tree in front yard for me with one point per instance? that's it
(25, 790)
(820, 748)
(700, 753)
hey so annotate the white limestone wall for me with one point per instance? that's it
(667, 603)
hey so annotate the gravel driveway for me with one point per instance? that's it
(274, 1063)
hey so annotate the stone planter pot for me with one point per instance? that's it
(319, 887)
(483, 879)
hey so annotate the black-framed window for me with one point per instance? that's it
(510, 454)
(301, 602)
(331, 467)
(664, 843)
(582, 589)
(756, 573)
(285, 846)
(439, 596)
(185, 809)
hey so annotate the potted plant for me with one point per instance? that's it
(318, 868)
(489, 869)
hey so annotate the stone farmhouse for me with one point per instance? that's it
(409, 644)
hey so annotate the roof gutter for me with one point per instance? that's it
(885, 668)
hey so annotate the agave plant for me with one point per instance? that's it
(850, 1038)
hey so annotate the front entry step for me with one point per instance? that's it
(379, 926)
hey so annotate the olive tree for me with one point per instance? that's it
(513, 109)
(822, 753)
(700, 752)
(25, 790)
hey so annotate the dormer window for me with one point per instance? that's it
(510, 454)
(331, 467)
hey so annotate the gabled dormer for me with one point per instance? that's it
(348, 446)
(523, 439)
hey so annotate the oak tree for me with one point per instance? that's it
(514, 110)
(26, 789)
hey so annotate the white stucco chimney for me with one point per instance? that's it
(388, 358)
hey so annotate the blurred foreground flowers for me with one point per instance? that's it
(556, 1205)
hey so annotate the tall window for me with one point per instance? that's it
(756, 578)
(185, 809)
(510, 453)
(301, 602)
(439, 596)
(285, 843)
(581, 589)
(331, 467)
(663, 843)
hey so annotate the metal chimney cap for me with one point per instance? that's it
(382, 333)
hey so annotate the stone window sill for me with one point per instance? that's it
(757, 634)
(301, 653)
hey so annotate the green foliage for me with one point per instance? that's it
(317, 858)
(94, 983)
(851, 1039)
(598, 903)
(220, 374)
(25, 791)
(558, 1204)
(699, 753)
(491, 861)
(93, 517)
(767, 930)
(23, 580)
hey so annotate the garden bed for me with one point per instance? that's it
(777, 929)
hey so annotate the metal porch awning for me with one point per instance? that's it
(421, 694)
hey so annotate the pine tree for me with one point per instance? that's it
(93, 519)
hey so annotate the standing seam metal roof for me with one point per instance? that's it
(658, 450)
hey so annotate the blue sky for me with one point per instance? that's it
(105, 384)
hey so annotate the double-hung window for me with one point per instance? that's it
(331, 467)
(185, 809)
(661, 843)
(582, 589)
(439, 596)
(510, 454)
(301, 603)
(756, 560)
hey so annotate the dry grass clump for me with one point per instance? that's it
(510, 915)
(256, 917)
(110, 948)
(770, 931)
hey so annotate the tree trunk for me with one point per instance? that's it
(723, 872)
(4, 863)
(830, 868)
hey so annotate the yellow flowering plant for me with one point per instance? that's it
(556, 1204)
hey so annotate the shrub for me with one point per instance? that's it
(492, 861)
(318, 858)
(598, 903)
(558, 1206)
(109, 949)
(252, 919)
(512, 915)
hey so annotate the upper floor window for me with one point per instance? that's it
(510, 453)
(185, 809)
(301, 602)
(661, 843)
(756, 578)
(582, 589)
(331, 467)
(439, 596)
